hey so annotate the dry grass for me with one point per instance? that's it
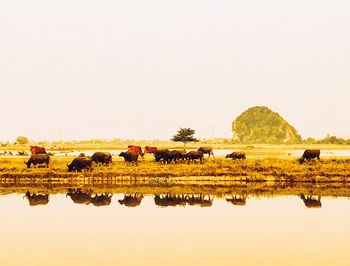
(269, 169)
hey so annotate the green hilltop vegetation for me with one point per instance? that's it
(260, 124)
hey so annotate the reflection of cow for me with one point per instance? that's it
(136, 149)
(239, 200)
(150, 150)
(311, 201)
(80, 197)
(37, 199)
(103, 199)
(37, 150)
(200, 200)
(166, 200)
(206, 150)
(131, 200)
(310, 154)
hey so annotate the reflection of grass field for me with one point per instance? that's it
(288, 169)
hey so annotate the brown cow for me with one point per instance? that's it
(37, 150)
(207, 150)
(236, 155)
(136, 149)
(150, 150)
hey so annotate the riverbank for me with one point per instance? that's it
(253, 170)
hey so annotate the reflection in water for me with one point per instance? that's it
(80, 197)
(311, 201)
(166, 200)
(133, 200)
(239, 200)
(37, 199)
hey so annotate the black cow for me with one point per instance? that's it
(310, 154)
(129, 156)
(102, 157)
(236, 155)
(195, 155)
(80, 163)
(169, 156)
(206, 150)
(38, 159)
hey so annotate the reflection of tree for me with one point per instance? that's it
(165, 200)
(239, 200)
(131, 200)
(311, 201)
(37, 199)
(80, 197)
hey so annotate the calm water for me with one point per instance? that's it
(168, 229)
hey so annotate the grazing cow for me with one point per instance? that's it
(310, 154)
(136, 149)
(195, 155)
(38, 159)
(150, 150)
(102, 157)
(167, 156)
(206, 150)
(80, 163)
(37, 150)
(311, 202)
(131, 200)
(37, 199)
(236, 155)
(129, 157)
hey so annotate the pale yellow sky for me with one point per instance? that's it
(141, 69)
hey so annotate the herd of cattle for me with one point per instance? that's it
(39, 156)
(88, 197)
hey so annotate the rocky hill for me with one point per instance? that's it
(260, 124)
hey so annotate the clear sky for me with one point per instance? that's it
(140, 69)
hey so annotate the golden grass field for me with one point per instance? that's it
(264, 163)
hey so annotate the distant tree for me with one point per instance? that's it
(21, 140)
(184, 135)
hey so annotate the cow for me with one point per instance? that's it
(236, 155)
(80, 163)
(195, 155)
(167, 156)
(310, 154)
(38, 159)
(102, 157)
(37, 150)
(37, 199)
(136, 149)
(206, 150)
(82, 155)
(131, 200)
(129, 156)
(311, 202)
(150, 150)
